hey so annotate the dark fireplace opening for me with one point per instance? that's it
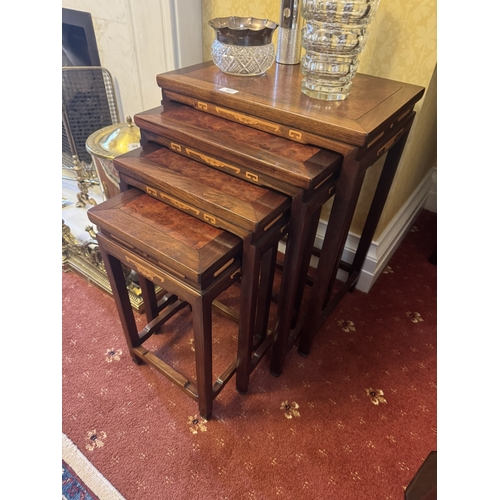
(79, 46)
(88, 98)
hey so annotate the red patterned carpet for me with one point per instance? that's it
(353, 421)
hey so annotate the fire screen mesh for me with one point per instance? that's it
(88, 104)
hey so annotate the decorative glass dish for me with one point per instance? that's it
(243, 45)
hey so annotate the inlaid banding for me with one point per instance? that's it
(225, 266)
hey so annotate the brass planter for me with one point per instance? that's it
(105, 145)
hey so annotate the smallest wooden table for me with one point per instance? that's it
(178, 253)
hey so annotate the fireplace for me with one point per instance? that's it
(88, 95)
(99, 39)
(79, 46)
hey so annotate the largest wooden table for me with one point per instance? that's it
(375, 119)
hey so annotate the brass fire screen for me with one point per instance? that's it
(88, 104)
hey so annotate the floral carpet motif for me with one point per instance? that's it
(352, 421)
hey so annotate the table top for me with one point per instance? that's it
(372, 106)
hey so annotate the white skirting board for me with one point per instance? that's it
(431, 202)
(381, 251)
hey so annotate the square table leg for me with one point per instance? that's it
(118, 284)
(299, 246)
(322, 301)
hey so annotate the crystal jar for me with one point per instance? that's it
(333, 36)
(243, 45)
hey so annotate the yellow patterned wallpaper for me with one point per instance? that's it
(401, 46)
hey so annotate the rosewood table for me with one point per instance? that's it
(168, 248)
(306, 173)
(374, 120)
(257, 215)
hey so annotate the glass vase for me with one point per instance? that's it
(333, 36)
